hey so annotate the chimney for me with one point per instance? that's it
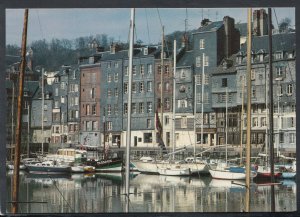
(229, 35)
(114, 47)
(260, 22)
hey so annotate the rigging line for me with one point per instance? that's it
(289, 69)
(159, 18)
(40, 24)
(147, 26)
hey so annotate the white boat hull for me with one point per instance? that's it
(197, 167)
(146, 167)
(174, 171)
(223, 174)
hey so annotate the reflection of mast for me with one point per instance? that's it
(15, 196)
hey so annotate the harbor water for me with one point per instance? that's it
(105, 193)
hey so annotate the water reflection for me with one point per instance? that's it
(149, 193)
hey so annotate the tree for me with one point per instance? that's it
(284, 24)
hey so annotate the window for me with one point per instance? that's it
(149, 86)
(116, 92)
(252, 74)
(56, 79)
(55, 104)
(278, 55)
(167, 69)
(108, 77)
(134, 70)
(292, 137)
(201, 44)
(253, 92)
(93, 109)
(141, 107)
(92, 93)
(108, 125)
(279, 90)
(149, 68)
(88, 112)
(167, 120)
(45, 107)
(254, 122)
(149, 123)
(116, 65)
(184, 122)
(116, 109)
(149, 107)
(133, 87)
(293, 108)
(290, 89)
(109, 92)
(182, 74)
(159, 87)
(206, 78)
(279, 71)
(133, 108)
(109, 65)
(62, 99)
(125, 88)
(25, 104)
(198, 79)
(167, 86)
(206, 60)
(56, 91)
(205, 118)
(108, 109)
(167, 103)
(281, 137)
(62, 85)
(76, 87)
(182, 103)
(224, 82)
(158, 69)
(263, 122)
(116, 77)
(198, 61)
(126, 70)
(142, 69)
(148, 137)
(76, 100)
(125, 108)
(141, 86)
(95, 125)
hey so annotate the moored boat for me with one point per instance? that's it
(110, 165)
(174, 171)
(48, 167)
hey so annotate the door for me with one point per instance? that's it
(135, 141)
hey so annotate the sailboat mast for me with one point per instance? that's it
(248, 143)
(267, 113)
(15, 196)
(226, 123)
(161, 81)
(174, 98)
(43, 102)
(12, 120)
(271, 109)
(202, 93)
(242, 121)
(128, 139)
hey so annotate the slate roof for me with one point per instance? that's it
(280, 42)
(186, 59)
(214, 26)
(231, 69)
(242, 27)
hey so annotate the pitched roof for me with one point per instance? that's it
(214, 26)
(186, 59)
(280, 42)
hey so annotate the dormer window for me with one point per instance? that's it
(56, 80)
(290, 55)
(279, 55)
(25, 93)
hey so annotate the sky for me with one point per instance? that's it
(74, 23)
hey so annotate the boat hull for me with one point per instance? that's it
(111, 165)
(146, 167)
(226, 174)
(48, 169)
(174, 171)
